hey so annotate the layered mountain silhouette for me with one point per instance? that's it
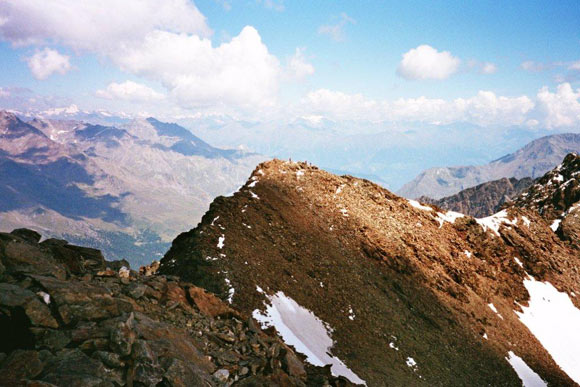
(533, 160)
(407, 293)
(126, 190)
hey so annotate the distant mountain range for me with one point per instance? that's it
(533, 160)
(126, 190)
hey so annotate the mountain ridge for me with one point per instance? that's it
(532, 160)
(379, 269)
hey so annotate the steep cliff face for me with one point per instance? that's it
(484, 199)
(68, 317)
(410, 294)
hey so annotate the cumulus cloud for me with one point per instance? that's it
(549, 109)
(162, 40)
(336, 31)
(241, 71)
(130, 91)
(559, 109)
(96, 26)
(339, 105)
(298, 66)
(46, 62)
(488, 68)
(425, 62)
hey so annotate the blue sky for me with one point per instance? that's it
(365, 60)
(343, 67)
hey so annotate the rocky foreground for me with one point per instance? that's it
(70, 318)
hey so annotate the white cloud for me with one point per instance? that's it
(46, 62)
(298, 66)
(241, 71)
(100, 26)
(336, 31)
(130, 91)
(338, 105)
(534, 67)
(163, 40)
(488, 68)
(559, 109)
(425, 62)
(485, 108)
(276, 5)
(4, 93)
(574, 66)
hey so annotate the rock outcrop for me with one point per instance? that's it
(70, 318)
(484, 199)
(556, 197)
(411, 294)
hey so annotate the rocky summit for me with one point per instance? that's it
(70, 318)
(389, 291)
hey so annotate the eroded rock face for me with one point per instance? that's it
(69, 318)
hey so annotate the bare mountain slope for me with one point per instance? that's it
(127, 191)
(533, 160)
(410, 294)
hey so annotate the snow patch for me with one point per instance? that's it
(526, 221)
(467, 253)
(45, 297)
(493, 308)
(418, 205)
(554, 226)
(527, 375)
(221, 240)
(495, 221)
(254, 196)
(411, 362)
(231, 291)
(518, 262)
(554, 320)
(449, 216)
(351, 314)
(308, 334)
